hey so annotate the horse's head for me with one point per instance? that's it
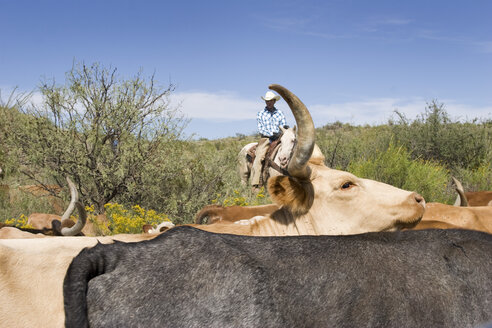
(287, 143)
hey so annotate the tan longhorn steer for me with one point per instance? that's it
(317, 200)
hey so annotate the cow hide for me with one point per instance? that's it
(192, 278)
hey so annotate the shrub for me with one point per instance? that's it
(395, 167)
(342, 143)
(434, 136)
(15, 202)
(431, 180)
(477, 179)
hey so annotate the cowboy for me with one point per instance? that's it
(269, 119)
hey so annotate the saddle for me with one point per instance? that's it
(268, 161)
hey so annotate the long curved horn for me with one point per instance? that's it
(305, 134)
(79, 225)
(461, 199)
(74, 197)
(74, 201)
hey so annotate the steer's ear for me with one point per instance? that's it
(294, 194)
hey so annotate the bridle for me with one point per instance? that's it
(276, 167)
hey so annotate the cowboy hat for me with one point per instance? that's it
(270, 95)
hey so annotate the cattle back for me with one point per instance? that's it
(188, 277)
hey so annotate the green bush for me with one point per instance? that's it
(197, 173)
(15, 203)
(431, 180)
(342, 143)
(477, 179)
(434, 136)
(395, 167)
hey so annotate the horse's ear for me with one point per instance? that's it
(294, 128)
(282, 128)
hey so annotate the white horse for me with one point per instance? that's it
(280, 157)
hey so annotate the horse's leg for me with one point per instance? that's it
(244, 169)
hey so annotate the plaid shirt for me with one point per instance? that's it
(269, 122)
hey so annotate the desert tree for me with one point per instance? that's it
(102, 130)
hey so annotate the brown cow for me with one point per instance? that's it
(440, 216)
(217, 213)
(42, 220)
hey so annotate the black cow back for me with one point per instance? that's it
(191, 278)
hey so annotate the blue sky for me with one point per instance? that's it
(349, 61)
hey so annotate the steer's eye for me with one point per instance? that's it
(347, 185)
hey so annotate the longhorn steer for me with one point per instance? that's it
(68, 227)
(42, 220)
(433, 278)
(317, 200)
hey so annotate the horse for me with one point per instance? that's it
(276, 160)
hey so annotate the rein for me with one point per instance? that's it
(276, 167)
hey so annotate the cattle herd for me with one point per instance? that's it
(334, 250)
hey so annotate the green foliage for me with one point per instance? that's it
(121, 143)
(477, 179)
(395, 167)
(98, 129)
(341, 143)
(197, 173)
(15, 203)
(431, 180)
(434, 136)
(11, 123)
